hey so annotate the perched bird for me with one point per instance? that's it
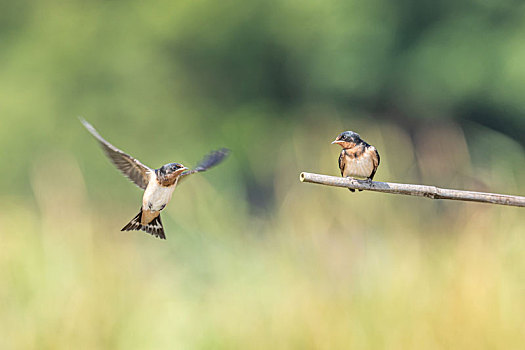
(358, 158)
(157, 183)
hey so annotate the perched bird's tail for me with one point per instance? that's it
(154, 227)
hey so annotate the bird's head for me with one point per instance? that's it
(347, 139)
(172, 169)
(168, 174)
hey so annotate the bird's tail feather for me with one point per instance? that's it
(154, 228)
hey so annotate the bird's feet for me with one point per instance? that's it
(351, 178)
(368, 181)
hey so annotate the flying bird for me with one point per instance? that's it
(158, 184)
(358, 158)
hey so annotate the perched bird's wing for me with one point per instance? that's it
(342, 165)
(341, 162)
(376, 159)
(129, 166)
(210, 160)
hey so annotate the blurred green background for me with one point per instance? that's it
(254, 259)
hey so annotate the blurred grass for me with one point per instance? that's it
(254, 259)
(325, 269)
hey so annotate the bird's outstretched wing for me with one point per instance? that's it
(129, 166)
(209, 161)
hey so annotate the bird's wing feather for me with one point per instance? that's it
(341, 162)
(129, 166)
(376, 161)
(209, 161)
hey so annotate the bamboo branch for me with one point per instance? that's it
(414, 190)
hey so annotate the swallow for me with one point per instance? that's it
(158, 184)
(358, 158)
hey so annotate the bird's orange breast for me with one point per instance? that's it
(359, 162)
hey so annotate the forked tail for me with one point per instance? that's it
(154, 227)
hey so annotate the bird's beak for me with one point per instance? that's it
(337, 141)
(181, 170)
